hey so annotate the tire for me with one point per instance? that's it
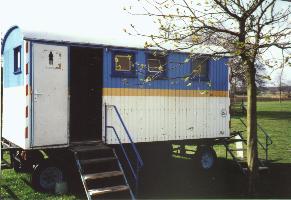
(206, 157)
(46, 175)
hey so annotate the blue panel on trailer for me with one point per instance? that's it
(13, 39)
(174, 80)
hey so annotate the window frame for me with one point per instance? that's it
(123, 73)
(17, 60)
(163, 58)
(199, 76)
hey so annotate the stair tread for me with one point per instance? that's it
(84, 148)
(97, 160)
(260, 168)
(102, 175)
(263, 168)
(99, 191)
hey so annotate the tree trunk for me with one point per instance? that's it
(252, 151)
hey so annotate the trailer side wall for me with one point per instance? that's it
(171, 108)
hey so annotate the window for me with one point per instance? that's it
(123, 64)
(156, 65)
(200, 68)
(17, 60)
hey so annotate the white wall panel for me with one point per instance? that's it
(158, 118)
(14, 121)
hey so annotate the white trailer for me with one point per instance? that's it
(62, 92)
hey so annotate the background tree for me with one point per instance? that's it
(244, 28)
(238, 79)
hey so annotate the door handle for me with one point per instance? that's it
(37, 93)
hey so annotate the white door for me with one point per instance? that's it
(50, 95)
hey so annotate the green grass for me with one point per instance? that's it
(17, 186)
(274, 117)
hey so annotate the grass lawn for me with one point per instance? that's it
(179, 178)
(17, 186)
(275, 118)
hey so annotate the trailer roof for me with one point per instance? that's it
(135, 42)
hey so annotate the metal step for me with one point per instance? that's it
(86, 142)
(105, 190)
(97, 160)
(261, 168)
(102, 175)
(86, 148)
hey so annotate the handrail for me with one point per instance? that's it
(128, 135)
(266, 134)
(124, 152)
(259, 142)
(268, 141)
(140, 162)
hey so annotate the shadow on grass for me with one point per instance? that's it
(11, 194)
(181, 178)
(274, 115)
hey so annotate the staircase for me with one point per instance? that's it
(237, 137)
(101, 172)
(240, 162)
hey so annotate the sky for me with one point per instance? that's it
(103, 18)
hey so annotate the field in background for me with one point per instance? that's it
(179, 178)
(275, 118)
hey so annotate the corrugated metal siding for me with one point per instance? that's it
(164, 110)
(148, 121)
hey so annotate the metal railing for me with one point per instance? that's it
(139, 161)
(268, 140)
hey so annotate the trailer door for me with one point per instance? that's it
(50, 95)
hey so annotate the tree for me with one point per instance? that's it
(238, 78)
(244, 28)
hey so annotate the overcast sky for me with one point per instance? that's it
(104, 18)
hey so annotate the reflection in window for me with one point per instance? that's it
(123, 62)
(200, 67)
(156, 65)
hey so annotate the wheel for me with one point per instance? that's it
(206, 157)
(46, 175)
